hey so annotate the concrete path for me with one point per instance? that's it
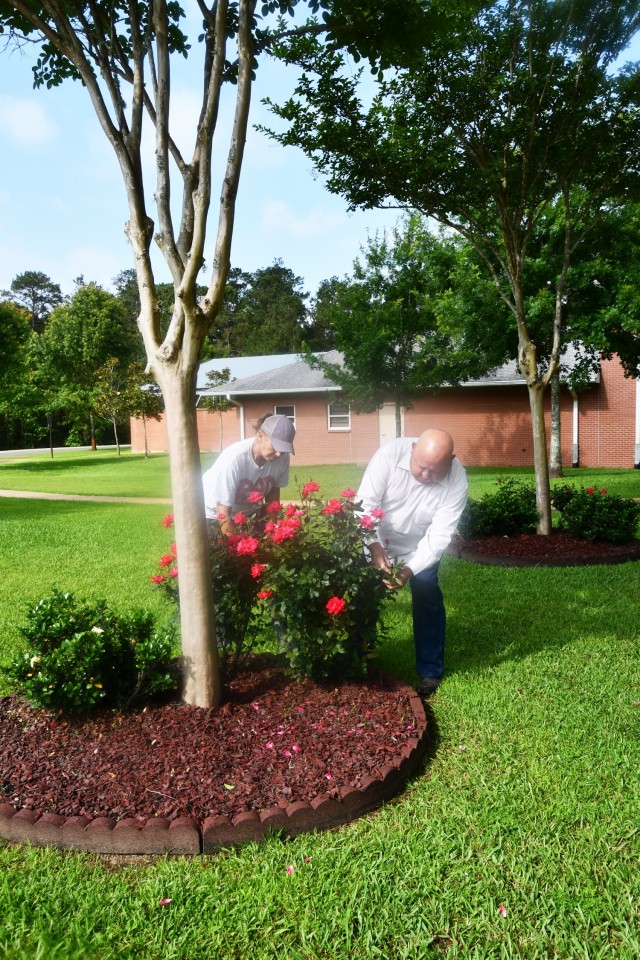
(33, 495)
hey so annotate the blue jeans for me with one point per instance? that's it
(429, 622)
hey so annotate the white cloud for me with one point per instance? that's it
(24, 122)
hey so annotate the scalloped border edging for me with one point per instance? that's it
(186, 836)
(461, 552)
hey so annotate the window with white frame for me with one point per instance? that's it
(339, 416)
(286, 410)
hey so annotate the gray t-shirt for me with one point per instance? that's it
(235, 475)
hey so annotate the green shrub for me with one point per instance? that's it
(562, 495)
(596, 515)
(510, 511)
(82, 655)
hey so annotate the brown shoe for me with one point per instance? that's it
(428, 685)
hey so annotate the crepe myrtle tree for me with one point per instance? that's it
(517, 105)
(122, 53)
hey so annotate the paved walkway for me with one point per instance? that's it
(33, 495)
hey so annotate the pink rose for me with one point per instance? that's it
(247, 545)
(167, 560)
(167, 520)
(377, 513)
(349, 492)
(254, 497)
(158, 578)
(239, 518)
(274, 507)
(332, 506)
(366, 522)
(257, 569)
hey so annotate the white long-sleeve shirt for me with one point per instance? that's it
(419, 518)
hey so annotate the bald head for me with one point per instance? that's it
(431, 456)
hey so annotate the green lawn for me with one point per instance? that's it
(530, 798)
(103, 473)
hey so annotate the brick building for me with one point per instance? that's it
(488, 418)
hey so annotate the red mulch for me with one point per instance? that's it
(558, 549)
(275, 741)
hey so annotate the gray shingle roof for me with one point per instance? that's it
(297, 376)
(294, 377)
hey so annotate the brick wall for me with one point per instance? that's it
(491, 425)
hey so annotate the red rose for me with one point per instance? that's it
(590, 490)
(603, 492)
(167, 521)
(265, 594)
(309, 488)
(333, 506)
(247, 545)
(336, 605)
(239, 518)
(257, 569)
(274, 507)
(368, 523)
(254, 497)
(349, 492)
(167, 560)
(158, 578)
(174, 572)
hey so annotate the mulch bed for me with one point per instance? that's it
(274, 742)
(559, 549)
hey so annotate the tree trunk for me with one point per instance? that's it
(398, 419)
(555, 452)
(115, 433)
(540, 458)
(94, 445)
(144, 431)
(201, 686)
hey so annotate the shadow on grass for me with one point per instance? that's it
(70, 464)
(501, 614)
(496, 615)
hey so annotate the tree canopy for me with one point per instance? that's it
(516, 106)
(414, 316)
(122, 52)
(37, 293)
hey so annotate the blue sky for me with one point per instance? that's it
(62, 202)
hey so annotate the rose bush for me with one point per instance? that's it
(300, 575)
(594, 514)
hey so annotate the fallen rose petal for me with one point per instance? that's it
(291, 869)
(328, 775)
(307, 859)
(286, 753)
(502, 910)
(268, 746)
(165, 901)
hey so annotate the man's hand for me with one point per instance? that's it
(380, 557)
(398, 582)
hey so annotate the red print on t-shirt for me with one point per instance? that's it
(262, 486)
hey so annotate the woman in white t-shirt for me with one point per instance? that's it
(249, 473)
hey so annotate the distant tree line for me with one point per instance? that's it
(417, 311)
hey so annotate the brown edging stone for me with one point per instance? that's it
(186, 836)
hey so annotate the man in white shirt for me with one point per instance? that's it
(422, 489)
(249, 473)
